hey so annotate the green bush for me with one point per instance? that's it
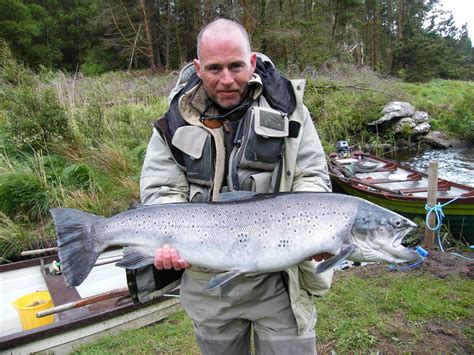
(94, 63)
(13, 72)
(24, 192)
(32, 118)
(342, 113)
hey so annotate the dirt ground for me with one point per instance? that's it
(439, 336)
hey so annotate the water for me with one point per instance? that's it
(454, 164)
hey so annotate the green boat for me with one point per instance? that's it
(402, 190)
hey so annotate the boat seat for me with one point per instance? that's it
(442, 186)
(410, 177)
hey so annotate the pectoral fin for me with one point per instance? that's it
(135, 258)
(225, 281)
(344, 253)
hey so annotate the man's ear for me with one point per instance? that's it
(197, 67)
(253, 61)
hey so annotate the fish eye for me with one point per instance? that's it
(397, 223)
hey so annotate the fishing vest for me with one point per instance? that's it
(257, 144)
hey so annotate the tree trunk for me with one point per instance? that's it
(148, 38)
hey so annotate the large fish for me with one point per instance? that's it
(265, 233)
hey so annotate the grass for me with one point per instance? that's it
(359, 311)
(359, 314)
(172, 336)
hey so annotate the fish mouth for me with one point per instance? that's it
(400, 251)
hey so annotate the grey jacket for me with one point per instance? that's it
(304, 168)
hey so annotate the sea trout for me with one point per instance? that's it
(264, 233)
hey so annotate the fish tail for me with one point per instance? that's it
(78, 250)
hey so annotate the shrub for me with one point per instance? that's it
(32, 118)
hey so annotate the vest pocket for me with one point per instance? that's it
(198, 154)
(262, 141)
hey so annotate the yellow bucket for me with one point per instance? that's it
(27, 307)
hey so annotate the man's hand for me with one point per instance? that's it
(168, 258)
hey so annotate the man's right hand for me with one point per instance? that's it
(168, 258)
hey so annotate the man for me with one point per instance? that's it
(230, 129)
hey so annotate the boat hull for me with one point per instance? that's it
(458, 210)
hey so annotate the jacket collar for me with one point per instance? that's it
(193, 102)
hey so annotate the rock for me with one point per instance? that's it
(401, 108)
(393, 111)
(401, 125)
(421, 128)
(440, 140)
(421, 116)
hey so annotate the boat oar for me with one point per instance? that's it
(84, 302)
(123, 292)
(38, 251)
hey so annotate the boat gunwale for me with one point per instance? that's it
(465, 198)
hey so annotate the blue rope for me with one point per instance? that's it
(422, 253)
(438, 210)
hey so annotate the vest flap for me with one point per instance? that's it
(190, 140)
(270, 123)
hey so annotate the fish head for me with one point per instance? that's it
(378, 234)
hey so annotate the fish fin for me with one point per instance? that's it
(78, 250)
(135, 258)
(345, 252)
(225, 281)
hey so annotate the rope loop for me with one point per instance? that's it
(437, 209)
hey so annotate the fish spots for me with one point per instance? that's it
(283, 243)
(243, 238)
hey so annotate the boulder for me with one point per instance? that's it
(440, 140)
(401, 108)
(400, 125)
(393, 111)
(420, 117)
(421, 128)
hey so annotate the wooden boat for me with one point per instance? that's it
(402, 189)
(107, 284)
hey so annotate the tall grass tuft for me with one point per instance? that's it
(16, 237)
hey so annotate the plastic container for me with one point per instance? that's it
(27, 306)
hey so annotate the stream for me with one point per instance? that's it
(454, 164)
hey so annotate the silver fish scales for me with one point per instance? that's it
(264, 233)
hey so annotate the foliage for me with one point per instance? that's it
(50, 33)
(413, 39)
(341, 112)
(449, 103)
(11, 71)
(462, 122)
(14, 238)
(441, 51)
(32, 118)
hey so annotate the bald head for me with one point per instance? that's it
(221, 29)
(225, 64)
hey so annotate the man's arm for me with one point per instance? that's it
(311, 172)
(162, 181)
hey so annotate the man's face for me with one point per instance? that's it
(225, 67)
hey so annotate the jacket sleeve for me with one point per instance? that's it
(311, 172)
(162, 181)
